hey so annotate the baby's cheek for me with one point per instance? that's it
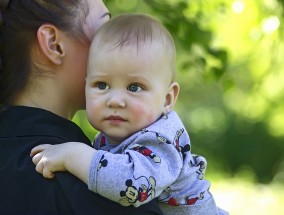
(143, 113)
(92, 111)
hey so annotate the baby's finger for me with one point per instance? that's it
(39, 167)
(37, 158)
(48, 174)
(39, 149)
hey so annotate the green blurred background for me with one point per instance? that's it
(229, 62)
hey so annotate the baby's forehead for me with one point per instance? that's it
(136, 54)
(134, 40)
(133, 44)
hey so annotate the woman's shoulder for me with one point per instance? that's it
(20, 121)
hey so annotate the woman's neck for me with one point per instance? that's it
(56, 109)
(45, 95)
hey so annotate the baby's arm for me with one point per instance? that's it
(73, 157)
(136, 175)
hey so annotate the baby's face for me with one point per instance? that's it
(126, 89)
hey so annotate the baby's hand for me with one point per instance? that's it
(73, 157)
(49, 159)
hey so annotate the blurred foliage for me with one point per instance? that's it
(229, 60)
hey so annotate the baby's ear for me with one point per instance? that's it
(171, 97)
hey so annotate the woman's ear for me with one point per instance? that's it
(48, 37)
(171, 97)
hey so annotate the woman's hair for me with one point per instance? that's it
(19, 22)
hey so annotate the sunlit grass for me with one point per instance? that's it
(241, 197)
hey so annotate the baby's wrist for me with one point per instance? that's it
(77, 160)
(72, 152)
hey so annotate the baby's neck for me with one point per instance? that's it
(114, 141)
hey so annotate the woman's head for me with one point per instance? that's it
(43, 39)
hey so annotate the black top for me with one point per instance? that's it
(24, 191)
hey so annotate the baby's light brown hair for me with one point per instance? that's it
(136, 30)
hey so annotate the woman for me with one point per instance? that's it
(44, 48)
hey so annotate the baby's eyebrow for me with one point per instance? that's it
(138, 76)
(97, 76)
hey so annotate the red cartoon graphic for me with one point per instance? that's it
(176, 139)
(172, 201)
(192, 201)
(175, 142)
(146, 152)
(133, 194)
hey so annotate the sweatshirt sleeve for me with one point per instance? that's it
(140, 173)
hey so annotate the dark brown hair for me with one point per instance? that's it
(19, 22)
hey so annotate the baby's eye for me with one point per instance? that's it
(134, 88)
(102, 86)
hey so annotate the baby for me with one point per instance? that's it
(143, 150)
